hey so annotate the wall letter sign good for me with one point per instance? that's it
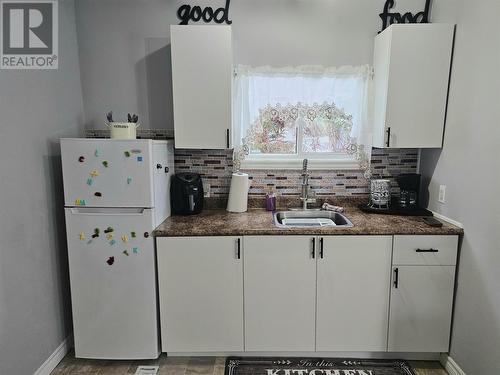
(389, 18)
(195, 14)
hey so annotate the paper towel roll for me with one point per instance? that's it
(238, 193)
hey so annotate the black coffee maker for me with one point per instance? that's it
(409, 185)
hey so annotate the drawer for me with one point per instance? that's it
(425, 250)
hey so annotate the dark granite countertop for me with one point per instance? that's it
(260, 222)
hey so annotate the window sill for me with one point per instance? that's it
(313, 164)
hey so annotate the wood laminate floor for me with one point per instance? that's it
(182, 366)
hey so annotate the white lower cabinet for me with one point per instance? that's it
(423, 280)
(280, 300)
(421, 306)
(353, 293)
(201, 294)
(305, 293)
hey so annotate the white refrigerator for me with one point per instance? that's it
(116, 192)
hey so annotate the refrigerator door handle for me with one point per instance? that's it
(107, 211)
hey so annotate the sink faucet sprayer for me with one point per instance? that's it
(304, 196)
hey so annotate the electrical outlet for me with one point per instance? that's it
(442, 194)
(206, 190)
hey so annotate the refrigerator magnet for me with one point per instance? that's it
(135, 250)
(146, 234)
(81, 159)
(105, 164)
(109, 236)
(98, 194)
(139, 158)
(129, 180)
(133, 235)
(110, 261)
(108, 230)
(82, 236)
(125, 252)
(96, 153)
(90, 181)
(112, 242)
(80, 202)
(127, 154)
(125, 238)
(94, 173)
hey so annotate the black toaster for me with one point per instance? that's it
(186, 194)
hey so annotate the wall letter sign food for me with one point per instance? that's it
(389, 18)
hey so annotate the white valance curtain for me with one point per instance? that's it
(308, 89)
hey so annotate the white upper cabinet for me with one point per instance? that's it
(412, 69)
(201, 83)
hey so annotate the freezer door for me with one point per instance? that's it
(107, 173)
(113, 283)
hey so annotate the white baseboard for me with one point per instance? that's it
(51, 363)
(450, 365)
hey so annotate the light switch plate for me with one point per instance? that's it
(442, 194)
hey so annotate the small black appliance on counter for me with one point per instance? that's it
(406, 203)
(186, 194)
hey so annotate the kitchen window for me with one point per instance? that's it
(282, 116)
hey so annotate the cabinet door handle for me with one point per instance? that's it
(396, 278)
(238, 248)
(313, 253)
(321, 247)
(427, 250)
(388, 131)
(227, 138)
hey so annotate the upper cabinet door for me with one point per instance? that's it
(201, 80)
(412, 69)
(353, 293)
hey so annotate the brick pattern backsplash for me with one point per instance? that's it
(216, 167)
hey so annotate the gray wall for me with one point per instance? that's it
(469, 166)
(125, 56)
(36, 108)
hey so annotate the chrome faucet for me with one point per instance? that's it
(304, 196)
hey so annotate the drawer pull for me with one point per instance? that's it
(396, 278)
(427, 250)
(321, 247)
(313, 253)
(238, 251)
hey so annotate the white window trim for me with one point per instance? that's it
(315, 162)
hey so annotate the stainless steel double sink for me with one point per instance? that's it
(311, 219)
